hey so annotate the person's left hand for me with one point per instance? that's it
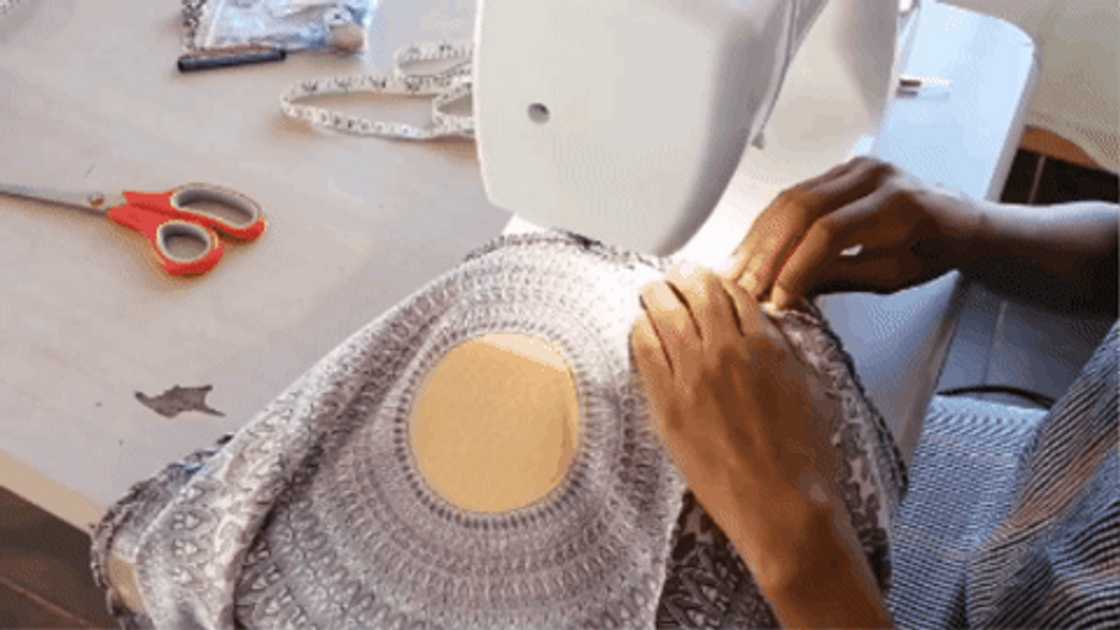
(743, 418)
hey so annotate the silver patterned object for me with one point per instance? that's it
(8, 5)
(193, 13)
(445, 87)
(315, 514)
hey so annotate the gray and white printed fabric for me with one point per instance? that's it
(314, 514)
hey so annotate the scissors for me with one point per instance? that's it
(163, 216)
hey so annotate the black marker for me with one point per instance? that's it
(228, 57)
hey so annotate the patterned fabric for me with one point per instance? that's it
(1013, 516)
(708, 585)
(314, 514)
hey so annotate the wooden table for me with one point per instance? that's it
(92, 100)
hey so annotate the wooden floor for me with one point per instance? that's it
(44, 563)
(44, 571)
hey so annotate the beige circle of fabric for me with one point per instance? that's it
(496, 423)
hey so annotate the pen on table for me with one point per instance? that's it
(912, 84)
(228, 57)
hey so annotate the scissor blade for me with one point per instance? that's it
(86, 200)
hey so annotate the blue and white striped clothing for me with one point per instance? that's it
(1013, 516)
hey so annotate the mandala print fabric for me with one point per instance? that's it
(314, 514)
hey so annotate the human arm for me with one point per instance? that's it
(911, 232)
(745, 421)
(1065, 255)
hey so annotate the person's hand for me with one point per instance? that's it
(906, 233)
(746, 423)
(744, 419)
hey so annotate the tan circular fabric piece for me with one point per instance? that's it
(496, 424)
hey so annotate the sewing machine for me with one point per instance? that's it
(633, 135)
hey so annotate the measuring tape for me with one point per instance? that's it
(446, 86)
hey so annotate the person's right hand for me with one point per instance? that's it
(906, 232)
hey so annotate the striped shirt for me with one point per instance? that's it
(1013, 516)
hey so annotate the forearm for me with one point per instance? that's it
(818, 576)
(1063, 254)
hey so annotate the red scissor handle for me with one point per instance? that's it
(158, 228)
(163, 216)
(176, 204)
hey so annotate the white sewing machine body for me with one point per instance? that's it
(624, 120)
